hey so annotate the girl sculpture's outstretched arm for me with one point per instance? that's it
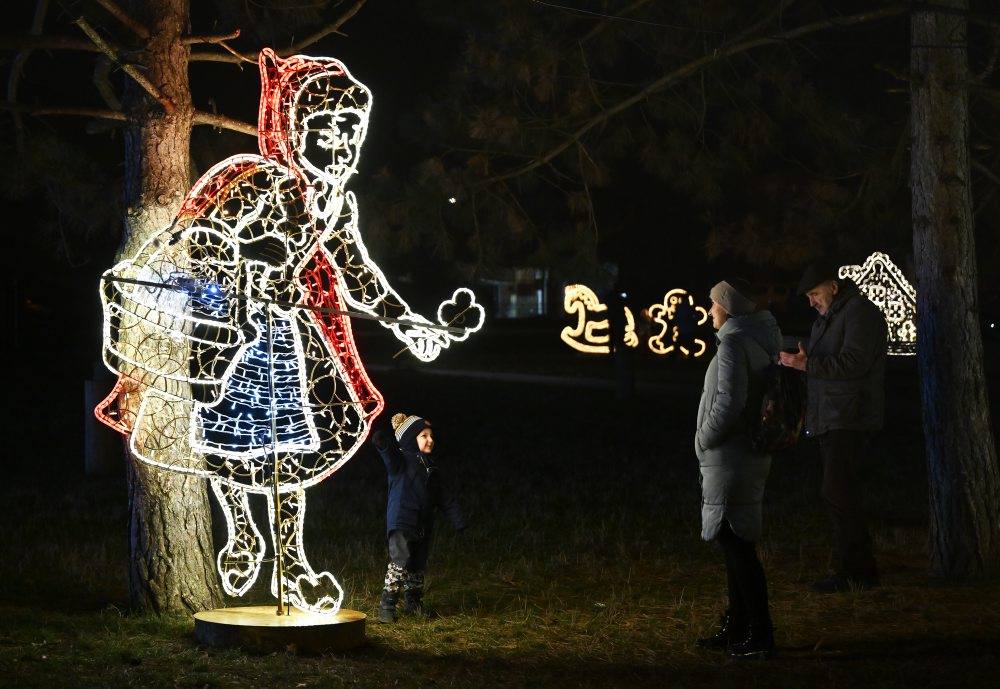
(366, 289)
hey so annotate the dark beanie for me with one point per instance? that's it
(818, 273)
(407, 427)
(732, 300)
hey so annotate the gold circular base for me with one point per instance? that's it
(259, 629)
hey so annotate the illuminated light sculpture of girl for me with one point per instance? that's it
(190, 319)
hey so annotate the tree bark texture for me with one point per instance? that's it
(961, 455)
(172, 563)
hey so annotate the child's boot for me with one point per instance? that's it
(413, 603)
(387, 606)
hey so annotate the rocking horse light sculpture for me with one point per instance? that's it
(230, 330)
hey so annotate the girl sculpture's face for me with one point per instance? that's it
(329, 143)
(425, 441)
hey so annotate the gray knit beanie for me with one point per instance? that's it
(732, 300)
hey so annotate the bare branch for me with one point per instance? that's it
(136, 75)
(47, 43)
(95, 113)
(717, 55)
(14, 77)
(199, 118)
(128, 21)
(102, 82)
(224, 122)
(604, 25)
(220, 41)
(989, 174)
(333, 27)
(235, 57)
(191, 40)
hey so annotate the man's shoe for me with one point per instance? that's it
(758, 645)
(838, 583)
(730, 630)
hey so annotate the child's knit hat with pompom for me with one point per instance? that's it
(407, 427)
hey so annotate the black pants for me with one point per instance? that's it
(746, 579)
(843, 454)
(408, 550)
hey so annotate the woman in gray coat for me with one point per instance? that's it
(733, 474)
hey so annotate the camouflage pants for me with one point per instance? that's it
(399, 579)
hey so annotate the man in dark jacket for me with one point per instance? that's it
(415, 494)
(845, 370)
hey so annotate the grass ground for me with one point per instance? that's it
(583, 567)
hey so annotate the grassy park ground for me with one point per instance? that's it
(583, 567)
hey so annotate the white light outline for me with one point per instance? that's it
(167, 344)
(881, 280)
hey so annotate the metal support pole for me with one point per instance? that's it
(279, 547)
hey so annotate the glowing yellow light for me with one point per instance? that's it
(884, 284)
(677, 317)
(591, 335)
(232, 324)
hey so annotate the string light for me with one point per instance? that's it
(884, 284)
(589, 335)
(678, 316)
(230, 327)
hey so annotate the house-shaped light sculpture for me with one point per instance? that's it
(884, 284)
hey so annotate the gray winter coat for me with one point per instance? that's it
(732, 472)
(846, 366)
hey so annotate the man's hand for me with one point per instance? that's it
(797, 361)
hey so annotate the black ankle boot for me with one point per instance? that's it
(413, 604)
(758, 644)
(387, 606)
(730, 631)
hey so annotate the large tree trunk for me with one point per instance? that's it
(961, 456)
(172, 565)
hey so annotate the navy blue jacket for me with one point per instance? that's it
(415, 490)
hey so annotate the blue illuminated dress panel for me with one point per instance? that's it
(240, 422)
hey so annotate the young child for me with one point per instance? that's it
(415, 492)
